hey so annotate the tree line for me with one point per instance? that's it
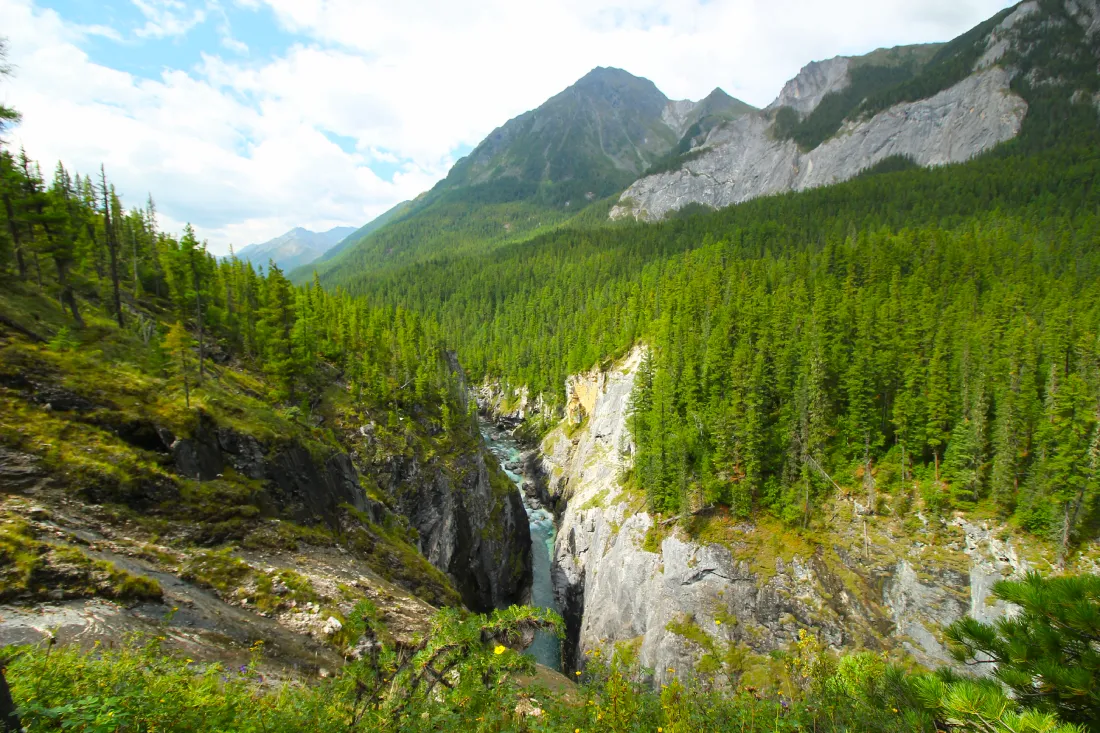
(73, 239)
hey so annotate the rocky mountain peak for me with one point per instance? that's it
(617, 89)
(816, 79)
(588, 140)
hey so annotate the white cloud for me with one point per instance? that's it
(167, 18)
(239, 147)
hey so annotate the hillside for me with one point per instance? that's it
(760, 420)
(914, 342)
(536, 171)
(352, 237)
(296, 248)
(209, 438)
(1025, 75)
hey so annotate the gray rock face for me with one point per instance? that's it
(1001, 38)
(470, 527)
(513, 405)
(917, 608)
(677, 115)
(816, 79)
(198, 456)
(991, 560)
(1086, 13)
(611, 589)
(742, 161)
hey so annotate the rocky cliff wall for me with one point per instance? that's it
(620, 576)
(470, 522)
(469, 517)
(742, 160)
(472, 525)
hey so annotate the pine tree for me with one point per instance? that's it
(277, 322)
(179, 345)
(112, 243)
(10, 185)
(194, 257)
(1046, 654)
(937, 401)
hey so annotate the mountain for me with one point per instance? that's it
(536, 171)
(586, 142)
(922, 105)
(295, 248)
(377, 223)
(777, 455)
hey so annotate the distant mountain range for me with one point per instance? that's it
(357, 234)
(295, 248)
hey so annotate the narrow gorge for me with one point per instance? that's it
(709, 594)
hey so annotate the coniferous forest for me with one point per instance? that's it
(941, 325)
(914, 349)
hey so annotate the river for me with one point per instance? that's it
(546, 648)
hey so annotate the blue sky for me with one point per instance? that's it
(147, 55)
(250, 117)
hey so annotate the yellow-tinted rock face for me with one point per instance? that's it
(582, 391)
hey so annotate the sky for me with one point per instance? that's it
(247, 118)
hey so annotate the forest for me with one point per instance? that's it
(919, 340)
(916, 334)
(73, 240)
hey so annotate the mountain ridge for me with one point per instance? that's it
(295, 248)
(539, 169)
(927, 104)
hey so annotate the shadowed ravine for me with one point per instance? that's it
(546, 648)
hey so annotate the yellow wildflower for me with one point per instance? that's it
(718, 622)
(499, 649)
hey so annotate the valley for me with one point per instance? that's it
(650, 414)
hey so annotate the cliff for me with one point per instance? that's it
(231, 520)
(691, 594)
(743, 160)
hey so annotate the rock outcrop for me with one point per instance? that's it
(468, 525)
(515, 405)
(742, 160)
(471, 524)
(816, 79)
(620, 576)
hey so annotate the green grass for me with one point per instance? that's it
(33, 570)
(235, 579)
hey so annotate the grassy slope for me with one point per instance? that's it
(99, 447)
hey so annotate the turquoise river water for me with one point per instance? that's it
(546, 648)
